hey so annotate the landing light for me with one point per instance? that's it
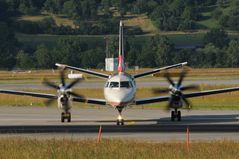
(119, 117)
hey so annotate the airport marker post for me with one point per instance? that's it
(99, 135)
(187, 138)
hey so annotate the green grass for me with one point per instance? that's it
(51, 40)
(15, 148)
(141, 21)
(59, 19)
(179, 39)
(208, 21)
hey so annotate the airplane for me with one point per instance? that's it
(119, 90)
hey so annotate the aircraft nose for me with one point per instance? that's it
(121, 98)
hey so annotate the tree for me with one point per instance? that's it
(69, 51)
(233, 53)
(189, 13)
(217, 13)
(146, 58)
(43, 57)
(106, 7)
(177, 7)
(92, 58)
(163, 50)
(24, 60)
(54, 6)
(217, 37)
(8, 42)
(211, 56)
(27, 7)
(68, 8)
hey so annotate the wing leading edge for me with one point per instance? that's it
(189, 95)
(101, 75)
(159, 69)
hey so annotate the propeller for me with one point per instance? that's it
(63, 89)
(176, 89)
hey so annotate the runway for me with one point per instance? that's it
(141, 124)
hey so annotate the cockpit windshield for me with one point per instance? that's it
(114, 84)
(125, 84)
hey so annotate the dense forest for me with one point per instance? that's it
(100, 17)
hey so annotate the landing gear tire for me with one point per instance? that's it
(172, 116)
(67, 116)
(179, 115)
(120, 122)
(175, 114)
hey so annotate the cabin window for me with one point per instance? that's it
(114, 84)
(125, 84)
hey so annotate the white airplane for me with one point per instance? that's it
(119, 90)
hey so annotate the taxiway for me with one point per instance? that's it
(145, 124)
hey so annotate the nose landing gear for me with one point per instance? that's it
(65, 115)
(120, 120)
(175, 114)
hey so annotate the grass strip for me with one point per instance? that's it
(15, 148)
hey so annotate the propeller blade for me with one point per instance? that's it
(188, 104)
(190, 87)
(181, 78)
(62, 77)
(73, 83)
(49, 102)
(50, 84)
(161, 90)
(167, 76)
(76, 95)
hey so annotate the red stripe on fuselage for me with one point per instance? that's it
(121, 64)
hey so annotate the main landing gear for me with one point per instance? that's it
(120, 120)
(175, 114)
(65, 116)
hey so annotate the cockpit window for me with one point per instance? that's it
(107, 84)
(114, 84)
(125, 84)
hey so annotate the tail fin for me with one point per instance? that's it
(121, 64)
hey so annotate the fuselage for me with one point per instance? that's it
(119, 90)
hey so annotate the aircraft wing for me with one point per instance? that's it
(89, 100)
(159, 69)
(188, 95)
(151, 100)
(210, 92)
(33, 94)
(101, 75)
(52, 96)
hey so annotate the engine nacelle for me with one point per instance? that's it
(176, 101)
(64, 102)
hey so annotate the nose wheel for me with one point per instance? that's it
(120, 120)
(175, 114)
(65, 116)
